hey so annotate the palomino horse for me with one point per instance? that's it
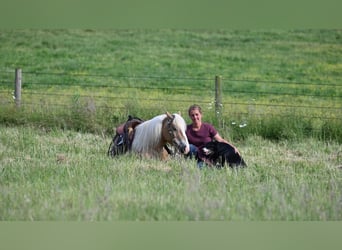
(151, 136)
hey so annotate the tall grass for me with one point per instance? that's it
(66, 175)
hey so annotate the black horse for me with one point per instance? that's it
(220, 153)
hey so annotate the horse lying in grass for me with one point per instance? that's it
(150, 138)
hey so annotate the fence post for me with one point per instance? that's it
(17, 87)
(218, 97)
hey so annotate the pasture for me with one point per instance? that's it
(66, 175)
(90, 80)
(281, 108)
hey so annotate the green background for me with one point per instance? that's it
(170, 235)
(188, 14)
(203, 14)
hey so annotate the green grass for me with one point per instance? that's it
(108, 74)
(281, 107)
(66, 175)
(300, 55)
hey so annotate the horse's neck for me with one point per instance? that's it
(161, 144)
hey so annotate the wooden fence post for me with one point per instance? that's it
(218, 96)
(17, 87)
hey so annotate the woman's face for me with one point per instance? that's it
(195, 116)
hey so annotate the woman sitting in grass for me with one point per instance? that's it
(199, 134)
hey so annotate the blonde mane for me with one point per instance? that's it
(147, 135)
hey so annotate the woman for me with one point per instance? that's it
(199, 133)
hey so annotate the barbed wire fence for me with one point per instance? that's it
(228, 99)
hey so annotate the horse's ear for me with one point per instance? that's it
(168, 115)
(179, 113)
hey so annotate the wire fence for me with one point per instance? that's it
(239, 98)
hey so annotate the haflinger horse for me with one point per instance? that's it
(151, 136)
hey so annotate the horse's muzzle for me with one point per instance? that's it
(182, 147)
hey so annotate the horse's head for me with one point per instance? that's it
(174, 128)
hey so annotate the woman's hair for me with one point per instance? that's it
(195, 106)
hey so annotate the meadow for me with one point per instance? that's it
(281, 106)
(66, 175)
(90, 80)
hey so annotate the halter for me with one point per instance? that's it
(169, 129)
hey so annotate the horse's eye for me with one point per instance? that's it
(172, 129)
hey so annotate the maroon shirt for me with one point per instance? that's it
(204, 135)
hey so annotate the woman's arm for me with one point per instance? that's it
(218, 138)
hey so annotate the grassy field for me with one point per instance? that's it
(270, 77)
(281, 108)
(66, 175)
(301, 55)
